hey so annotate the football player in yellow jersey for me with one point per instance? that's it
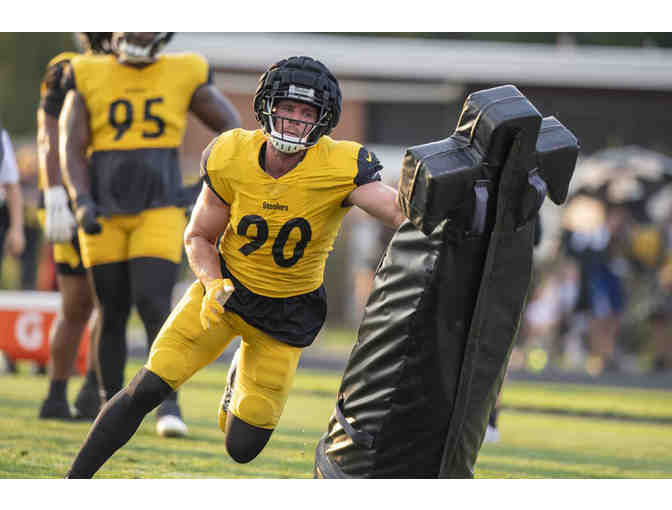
(59, 225)
(260, 233)
(128, 111)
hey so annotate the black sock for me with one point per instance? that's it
(118, 421)
(169, 406)
(57, 389)
(115, 425)
(91, 379)
(493, 418)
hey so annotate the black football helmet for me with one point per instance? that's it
(95, 42)
(139, 47)
(301, 79)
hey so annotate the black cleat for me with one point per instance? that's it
(10, 364)
(87, 403)
(55, 410)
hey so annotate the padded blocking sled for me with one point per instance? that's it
(447, 297)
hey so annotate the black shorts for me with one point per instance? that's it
(294, 320)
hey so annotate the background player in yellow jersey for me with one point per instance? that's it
(258, 239)
(59, 225)
(129, 110)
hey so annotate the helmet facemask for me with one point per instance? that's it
(274, 124)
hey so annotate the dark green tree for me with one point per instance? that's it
(23, 59)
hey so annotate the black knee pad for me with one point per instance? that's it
(244, 441)
(148, 390)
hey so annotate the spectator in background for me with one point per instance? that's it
(11, 214)
(660, 319)
(11, 203)
(26, 156)
(27, 161)
(599, 254)
(652, 256)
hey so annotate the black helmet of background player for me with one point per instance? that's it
(300, 79)
(139, 47)
(96, 42)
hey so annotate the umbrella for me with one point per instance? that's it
(632, 176)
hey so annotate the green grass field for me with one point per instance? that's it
(548, 431)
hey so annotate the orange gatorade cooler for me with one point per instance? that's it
(25, 321)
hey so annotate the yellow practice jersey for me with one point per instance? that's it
(281, 230)
(52, 95)
(137, 119)
(138, 107)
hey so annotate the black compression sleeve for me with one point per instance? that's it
(118, 421)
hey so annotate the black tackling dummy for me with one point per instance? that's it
(447, 297)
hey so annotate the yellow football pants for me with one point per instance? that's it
(151, 233)
(265, 370)
(64, 253)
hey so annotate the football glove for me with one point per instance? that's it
(217, 292)
(60, 223)
(86, 215)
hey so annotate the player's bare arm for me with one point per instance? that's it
(59, 221)
(16, 241)
(380, 201)
(209, 219)
(74, 138)
(214, 109)
(47, 146)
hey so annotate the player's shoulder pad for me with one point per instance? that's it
(92, 58)
(187, 59)
(224, 148)
(191, 66)
(353, 155)
(62, 58)
(53, 76)
(54, 73)
(368, 167)
(89, 62)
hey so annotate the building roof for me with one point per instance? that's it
(448, 61)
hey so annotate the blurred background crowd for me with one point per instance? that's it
(600, 301)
